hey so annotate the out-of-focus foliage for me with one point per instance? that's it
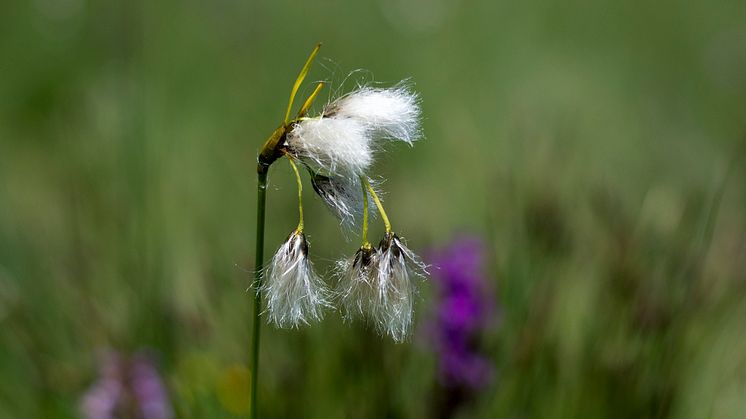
(597, 147)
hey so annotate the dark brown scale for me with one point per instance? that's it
(363, 257)
(290, 238)
(395, 248)
(303, 244)
(386, 242)
(391, 241)
(330, 111)
(323, 186)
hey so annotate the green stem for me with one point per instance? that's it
(258, 268)
(300, 194)
(365, 243)
(373, 194)
(270, 152)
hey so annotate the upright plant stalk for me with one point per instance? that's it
(271, 151)
(261, 200)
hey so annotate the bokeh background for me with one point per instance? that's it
(597, 150)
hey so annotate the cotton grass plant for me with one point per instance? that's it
(337, 148)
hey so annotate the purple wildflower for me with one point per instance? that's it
(101, 400)
(465, 306)
(148, 388)
(127, 388)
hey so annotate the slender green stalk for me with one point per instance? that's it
(373, 194)
(268, 154)
(300, 194)
(259, 267)
(366, 243)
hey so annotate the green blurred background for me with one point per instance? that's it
(597, 147)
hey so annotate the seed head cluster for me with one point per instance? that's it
(377, 284)
(338, 148)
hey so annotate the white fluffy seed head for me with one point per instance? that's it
(332, 145)
(377, 284)
(389, 113)
(344, 197)
(356, 287)
(343, 139)
(396, 267)
(295, 294)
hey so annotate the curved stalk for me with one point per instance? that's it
(300, 194)
(366, 243)
(373, 194)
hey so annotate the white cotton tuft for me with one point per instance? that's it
(356, 287)
(333, 145)
(344, 197)
(390, 113)
(377, 284)
(295, 294)
(343, 139)
(396, 267)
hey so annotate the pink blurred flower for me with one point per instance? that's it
(127, 387)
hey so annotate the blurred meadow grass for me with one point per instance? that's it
(598, 147)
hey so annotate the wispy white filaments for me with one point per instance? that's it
(377, 284)
(395, 270)
(342, 196)
(389, 113)
(357, 277)
(342, 141)
(332, 145)
(295, 294)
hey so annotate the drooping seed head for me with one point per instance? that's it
(344, 197)
(295, 293)
(396, 267)
(356, 288)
